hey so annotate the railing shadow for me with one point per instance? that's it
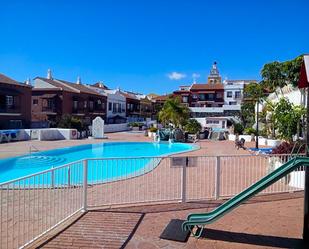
(253, 239)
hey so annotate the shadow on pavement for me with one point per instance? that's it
(253, 239)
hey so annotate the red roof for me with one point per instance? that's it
(57, 84)
(129, 95)
(6, 80)
(207, 87)
(163, 97)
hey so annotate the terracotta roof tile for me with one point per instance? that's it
(163, 97)
(207, 87)
(79, 87)
(58, 85)
(129, 95)
(7, 80)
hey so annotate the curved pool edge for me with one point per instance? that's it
(193, 148)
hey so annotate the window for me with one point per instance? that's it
(109, 106)
(185, 99)
(237, 95)
(85, 104)
(229, 94)
(219, 95)
(212, 122)
(114, 107)
(233, 103)
(210, 96)
(50, 103)
(35, 101)
(75, 104)
(202, 97)
(194, 96)
(91, 105)
(9, 101)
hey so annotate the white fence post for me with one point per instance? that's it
(184, 180)
(85, 184)
(217, 178)
(53, 178)
(69, 176)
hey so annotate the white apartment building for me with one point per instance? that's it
(116, 104)
(233, 92)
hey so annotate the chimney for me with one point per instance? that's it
(28, 82)
(79, 81)
(49, 74)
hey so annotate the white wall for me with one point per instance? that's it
(216, 123)
(216, 109)
(47, 134)
(203, 122)
(116, 127)
(113, 96)
(235, 87)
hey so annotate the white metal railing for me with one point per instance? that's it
(216, 109)
(33, 205)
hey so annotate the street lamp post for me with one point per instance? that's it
(306, 194)
(257, 126)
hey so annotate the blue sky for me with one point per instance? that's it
(136, 45)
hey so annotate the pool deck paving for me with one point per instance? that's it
(207, 147)
(267, 221)
(273, 221)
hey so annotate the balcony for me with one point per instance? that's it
(10, 110)
(48, 109)
(215, 109)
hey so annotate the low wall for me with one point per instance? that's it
(47, 134)
(116, 127)
(57, 134)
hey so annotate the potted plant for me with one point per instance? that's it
(134, 126)
(263, 137)
(152, 131)
(251, 132)
(193, 127)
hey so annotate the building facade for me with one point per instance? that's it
(215, 102)
(116, 104)
(52, 98)
(132, 107)
(15, 104)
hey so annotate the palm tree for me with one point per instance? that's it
(174, 112)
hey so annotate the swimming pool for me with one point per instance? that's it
(99, 170)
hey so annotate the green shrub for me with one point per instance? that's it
(69, 122)
(153, 129)
(134, 124)
(238, 128)
(249, 131)
(193, 126)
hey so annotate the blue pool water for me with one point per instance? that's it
(99, 170)
(262, 150)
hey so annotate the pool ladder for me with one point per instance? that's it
(32, 148)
